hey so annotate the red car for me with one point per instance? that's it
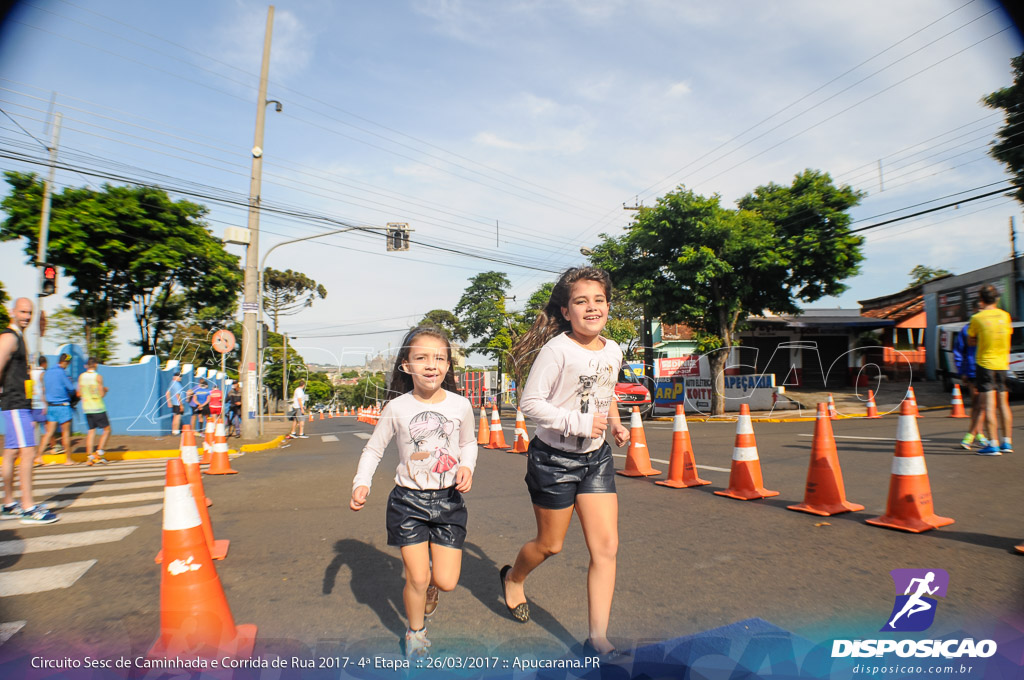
(630, 392)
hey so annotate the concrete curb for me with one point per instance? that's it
(58, 458)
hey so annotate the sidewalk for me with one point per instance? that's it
(125, 447)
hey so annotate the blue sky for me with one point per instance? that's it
(541, 117)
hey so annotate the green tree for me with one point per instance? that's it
(127, 248)
(1008, 148)
(482, 312)
(288, 292)
(689, 260)
(5, 316)
(922, 274)
(66, 327)
(446, 321)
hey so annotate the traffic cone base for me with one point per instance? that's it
(909, 507)
(638, 458)
(195, 620)
(682, 469)
(825, 493)
(1019, 548)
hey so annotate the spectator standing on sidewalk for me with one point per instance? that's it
(176, 401)
(92, 389)
(200, 405)
(216, 399)
(61, 397)
(16, 407)
(991, 329)
(297, 412)
(39, 402)
(235, 410)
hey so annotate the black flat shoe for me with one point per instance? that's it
(521, 612)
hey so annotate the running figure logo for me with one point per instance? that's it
(914, 610)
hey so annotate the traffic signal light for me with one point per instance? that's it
(397, 236)
(49, 280)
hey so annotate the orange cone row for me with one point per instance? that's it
(520, 436)
(682, 468)
(745, 482)
(497, 437)
(872, 410)
(638, 458)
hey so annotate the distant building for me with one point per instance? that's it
(900, 350)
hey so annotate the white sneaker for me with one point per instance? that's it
(416, 643)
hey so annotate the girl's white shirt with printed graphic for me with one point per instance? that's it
(434, 441)
(566, 387)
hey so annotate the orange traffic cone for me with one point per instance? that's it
(825, 493)
(909, 507)
(483, 434)
(832, 408)
(220, 465)
(682, 468)
(638, 458)
(745, 481)
(958, 404)
(311, 416)
(208, 437)
(195, 619)
(520, 435)
(913, 402)
(872, 409)
(190, 461)
(497, 437)
(1019, 548)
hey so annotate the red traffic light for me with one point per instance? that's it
(49, 286)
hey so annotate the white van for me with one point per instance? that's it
(946, 366)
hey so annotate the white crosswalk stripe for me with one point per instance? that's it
(362, 435)
(24, 546)
(7, 630)
(81, 496)
(27, 581)
(328, 438)
(89, 487)
(76, 503)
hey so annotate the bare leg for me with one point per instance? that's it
(977, 411)
(417, 577)
(44, 441)
(446, 568)
(88, 443)
(65, 437)
(990, 416)
(599, 516)
(1005, 415)
(25, 482)
(551, 528)
(8, 474)
(103, 438)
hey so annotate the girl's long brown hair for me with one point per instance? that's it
(401, 382)
(549, 321)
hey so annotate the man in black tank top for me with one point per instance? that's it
(16, 409)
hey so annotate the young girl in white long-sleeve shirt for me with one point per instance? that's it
(426, 515)
(570, 395)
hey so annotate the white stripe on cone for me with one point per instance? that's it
(679, 423)
(909, 467)
(906, 430)
(180, 508)
(744, 453)
(634, 420)
(744, 426)
(189, 455)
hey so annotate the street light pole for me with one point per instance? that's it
(246, 371)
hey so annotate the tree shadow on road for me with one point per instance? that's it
(480, 576)
(376, 580)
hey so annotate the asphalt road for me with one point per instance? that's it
(319, 579)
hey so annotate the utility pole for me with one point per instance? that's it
(44, 233)
(247, 367)
(284, 366)
(1018, 304)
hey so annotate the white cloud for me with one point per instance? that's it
(679, 89)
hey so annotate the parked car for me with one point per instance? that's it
(630, 392)
(946, 369)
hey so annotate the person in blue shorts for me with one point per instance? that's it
(16, 409)
(60, 392)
